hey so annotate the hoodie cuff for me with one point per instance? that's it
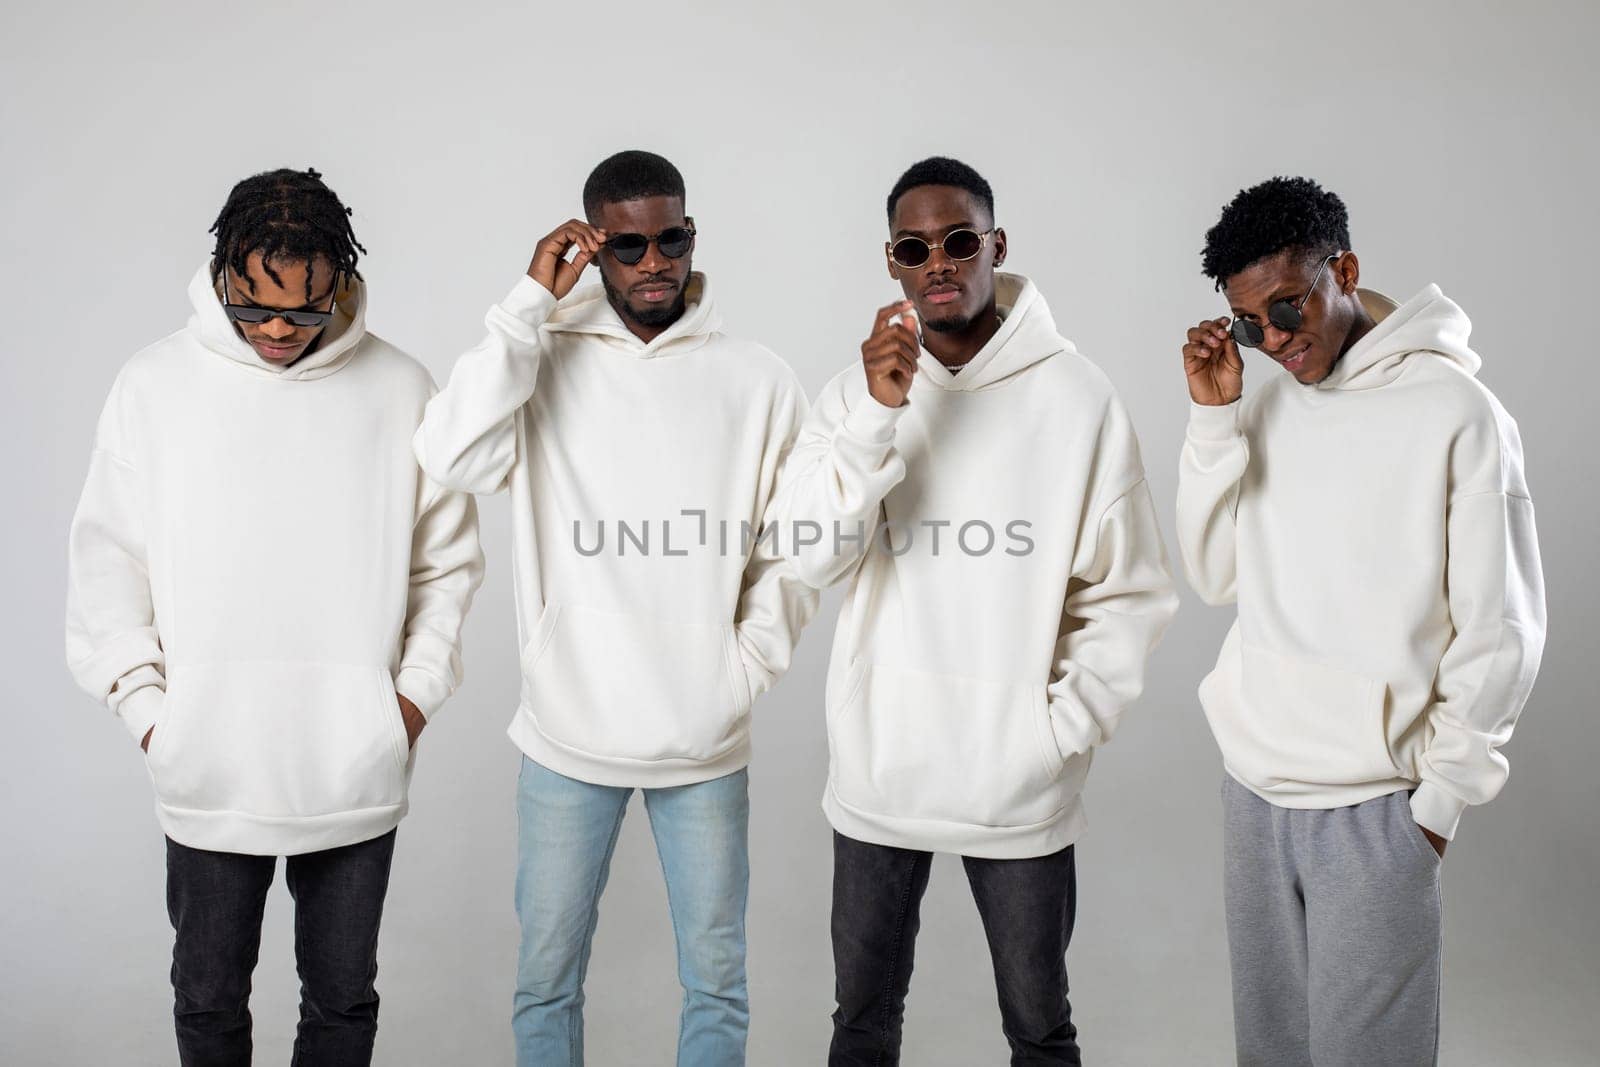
(1436, 810)
(140, 710)
(423, 688)
(872, 420)
(1214, 422)
(530, 302)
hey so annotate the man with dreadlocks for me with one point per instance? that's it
(269, 595)
(1364, 506)
(623, 408)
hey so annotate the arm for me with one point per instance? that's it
(468, 436)
(1495, 586)
(774, 603)
(1118, 605)
(1215, 455)
(113, 649)
(446, 570)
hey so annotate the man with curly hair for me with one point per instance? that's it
(1368, 514)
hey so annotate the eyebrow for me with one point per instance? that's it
(1291, 296)
(947, 230)
(309, 305)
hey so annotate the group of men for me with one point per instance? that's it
(277, 546)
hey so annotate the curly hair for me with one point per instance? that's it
(942, 170)
(284, 215)
(1293, 214)
(630, 175)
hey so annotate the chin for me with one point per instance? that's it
(946, 321)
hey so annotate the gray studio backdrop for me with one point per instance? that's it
(1461, 136)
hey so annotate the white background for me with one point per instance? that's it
(1461, 136)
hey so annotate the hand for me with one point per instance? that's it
(550, 266)
(890, 354)
(1213, 365)
(145, 744)
(1434, 839)
(414, 720)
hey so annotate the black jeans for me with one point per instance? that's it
(1027, 907)
(215, 901)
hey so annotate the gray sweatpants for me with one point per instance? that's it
(1333, 932)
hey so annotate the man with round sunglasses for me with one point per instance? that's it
(269, 594)
(1368, 514)
(978, 483)
(640, 445)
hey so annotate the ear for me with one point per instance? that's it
(888, 258)
(1347, 268)
(999, 247)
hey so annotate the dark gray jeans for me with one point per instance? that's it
(215, 901)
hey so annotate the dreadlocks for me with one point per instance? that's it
(284, 214)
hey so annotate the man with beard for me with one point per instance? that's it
(969, 684)
(623, 407)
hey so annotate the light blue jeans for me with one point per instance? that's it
(567, 830)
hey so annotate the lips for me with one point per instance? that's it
(1298, 360)
(275, 353)
(654, 292)
(941, 294)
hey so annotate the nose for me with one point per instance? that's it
(939, 263)
(654, 262)
(1273, 338)
(277, 329)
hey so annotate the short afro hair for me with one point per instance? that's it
(630, 175)
(942, 170)
(1280, 214)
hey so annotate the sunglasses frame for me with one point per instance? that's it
(983, 240)
(655, 239)
(240, 312)
(1280, 313)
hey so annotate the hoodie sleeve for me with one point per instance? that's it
(446, 570)
(113, 649)
(468, 439)
(1215, 455)
(1119, 602)
(774, 604)
(832, 488)
(1495, 585)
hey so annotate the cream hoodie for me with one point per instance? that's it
(256, 566)
(1377, 535)
(648, 623)
(1007, 583)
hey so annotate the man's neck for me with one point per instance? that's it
(956, 349)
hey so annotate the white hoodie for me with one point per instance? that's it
(640, 662)
(1008, 582)
(256, 566)
(1377, 535)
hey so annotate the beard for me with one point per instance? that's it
(650, 317)
(951, 325)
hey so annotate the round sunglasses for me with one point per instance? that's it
(674, 242)
(959, 245)
(1283, 314)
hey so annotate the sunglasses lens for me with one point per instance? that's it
(304, 319)
(1247, 333)
(674, 242)
(962, 244)
(628, 247)
(1285, 316)
(241, 313)
(910, 251)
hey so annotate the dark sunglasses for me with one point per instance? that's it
(958, 245)
(1282, 313)
(674, 242)
(255, 314)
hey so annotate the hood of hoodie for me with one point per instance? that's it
(337, 343)
(588, 311)
(1027, 335)
(1430, 324)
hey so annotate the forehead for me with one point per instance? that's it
(651, 214)
(933, 209)
(1286, 273)
(291, 273)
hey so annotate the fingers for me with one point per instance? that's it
(889, 313)
(572, 233)
(1209, 339)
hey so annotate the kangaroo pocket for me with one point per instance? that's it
(1293, 720)
(638, 687)
(279, 739)
(919, 745)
